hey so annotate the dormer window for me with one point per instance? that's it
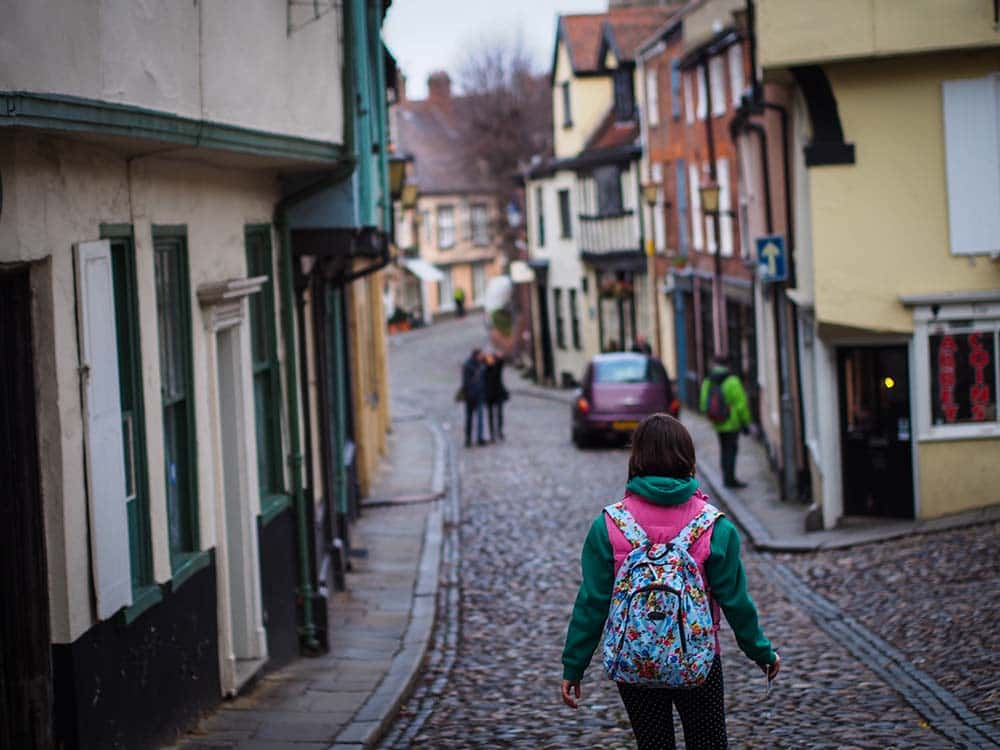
(624, 95)
(567, 110)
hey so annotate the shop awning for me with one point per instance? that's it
(423, 270)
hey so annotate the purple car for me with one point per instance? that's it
(618, 391)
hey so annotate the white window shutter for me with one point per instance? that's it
(109, 541)
(697, 219)
(725, 206)
(699, 75)
(972, 163)
(736, 82)
(717, 80)
(652, 97)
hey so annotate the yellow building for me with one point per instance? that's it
(896, 177)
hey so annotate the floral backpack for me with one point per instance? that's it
(659, 630)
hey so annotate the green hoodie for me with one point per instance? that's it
(723, 568)
(733, 393)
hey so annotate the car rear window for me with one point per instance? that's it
(626, 370)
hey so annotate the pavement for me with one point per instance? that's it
(774, 525)
(380, 626)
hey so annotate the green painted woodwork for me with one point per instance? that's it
(304, 535)
(264, 356)
(70, 113)
(173, 312)
(129, 341)
(337, 386)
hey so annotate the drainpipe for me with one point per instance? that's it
(306, 590)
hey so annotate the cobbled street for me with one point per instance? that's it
(492, 679)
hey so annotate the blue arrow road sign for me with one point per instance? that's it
(771, 264)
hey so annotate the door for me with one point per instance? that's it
(875, 431)
(25, 690)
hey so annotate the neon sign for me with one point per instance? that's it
(963, 378)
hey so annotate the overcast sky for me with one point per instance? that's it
(428, 35)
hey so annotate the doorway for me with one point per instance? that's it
(25, 689)
(247, 638)
(875, 431)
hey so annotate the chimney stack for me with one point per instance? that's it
(439, 87)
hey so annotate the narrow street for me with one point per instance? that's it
(492, 678)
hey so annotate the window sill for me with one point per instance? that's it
(960, 432)
(272, 506)
(186, 564)
(143, 598)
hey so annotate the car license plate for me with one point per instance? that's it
(623, 426)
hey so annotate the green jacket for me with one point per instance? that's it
(724, 570)
(735, 396)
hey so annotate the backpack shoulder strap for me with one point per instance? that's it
(697, 526)
(627, 524)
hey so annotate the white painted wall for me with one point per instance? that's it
(229, 61)
(58, 192)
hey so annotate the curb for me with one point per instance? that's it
(817, 541)
(377, 713)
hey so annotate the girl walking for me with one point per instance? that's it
(495, 393)
(663, 504)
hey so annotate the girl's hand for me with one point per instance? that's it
(571, 693)
(771, 670)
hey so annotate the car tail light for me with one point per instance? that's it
(675, 408)
(582, 405)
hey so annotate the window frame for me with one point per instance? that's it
(675, 89)
(567, 105)
(540, 210)
(717, 80)
(479, 221)
(559, 320)
(445, 209)
(957, 319)
(609, 203)
(624, 93)
(565, 214)
(574, 321)
(185, 559)
(260, 262)
(145, 591)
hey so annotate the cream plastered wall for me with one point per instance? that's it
(61, 192)
(229, 61)
(707, 19)
(880, 226)
(791, 32)
(590, 99)
(957, 475)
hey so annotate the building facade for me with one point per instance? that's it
(896, 279)
(586, 237)
(162, 547)
(451, 237)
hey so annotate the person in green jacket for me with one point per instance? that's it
(663, 492)
(737, 420)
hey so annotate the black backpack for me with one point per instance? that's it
(718, 409)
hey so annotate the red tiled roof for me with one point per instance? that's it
(582, 36)
(582, 33)
(631, 28)
(612, 134)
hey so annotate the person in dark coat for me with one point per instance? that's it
(474, 392)
(496, 394)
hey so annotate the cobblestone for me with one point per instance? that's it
(492, 677)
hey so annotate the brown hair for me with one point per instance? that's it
(661, 447)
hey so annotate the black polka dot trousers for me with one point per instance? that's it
(702, 710)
